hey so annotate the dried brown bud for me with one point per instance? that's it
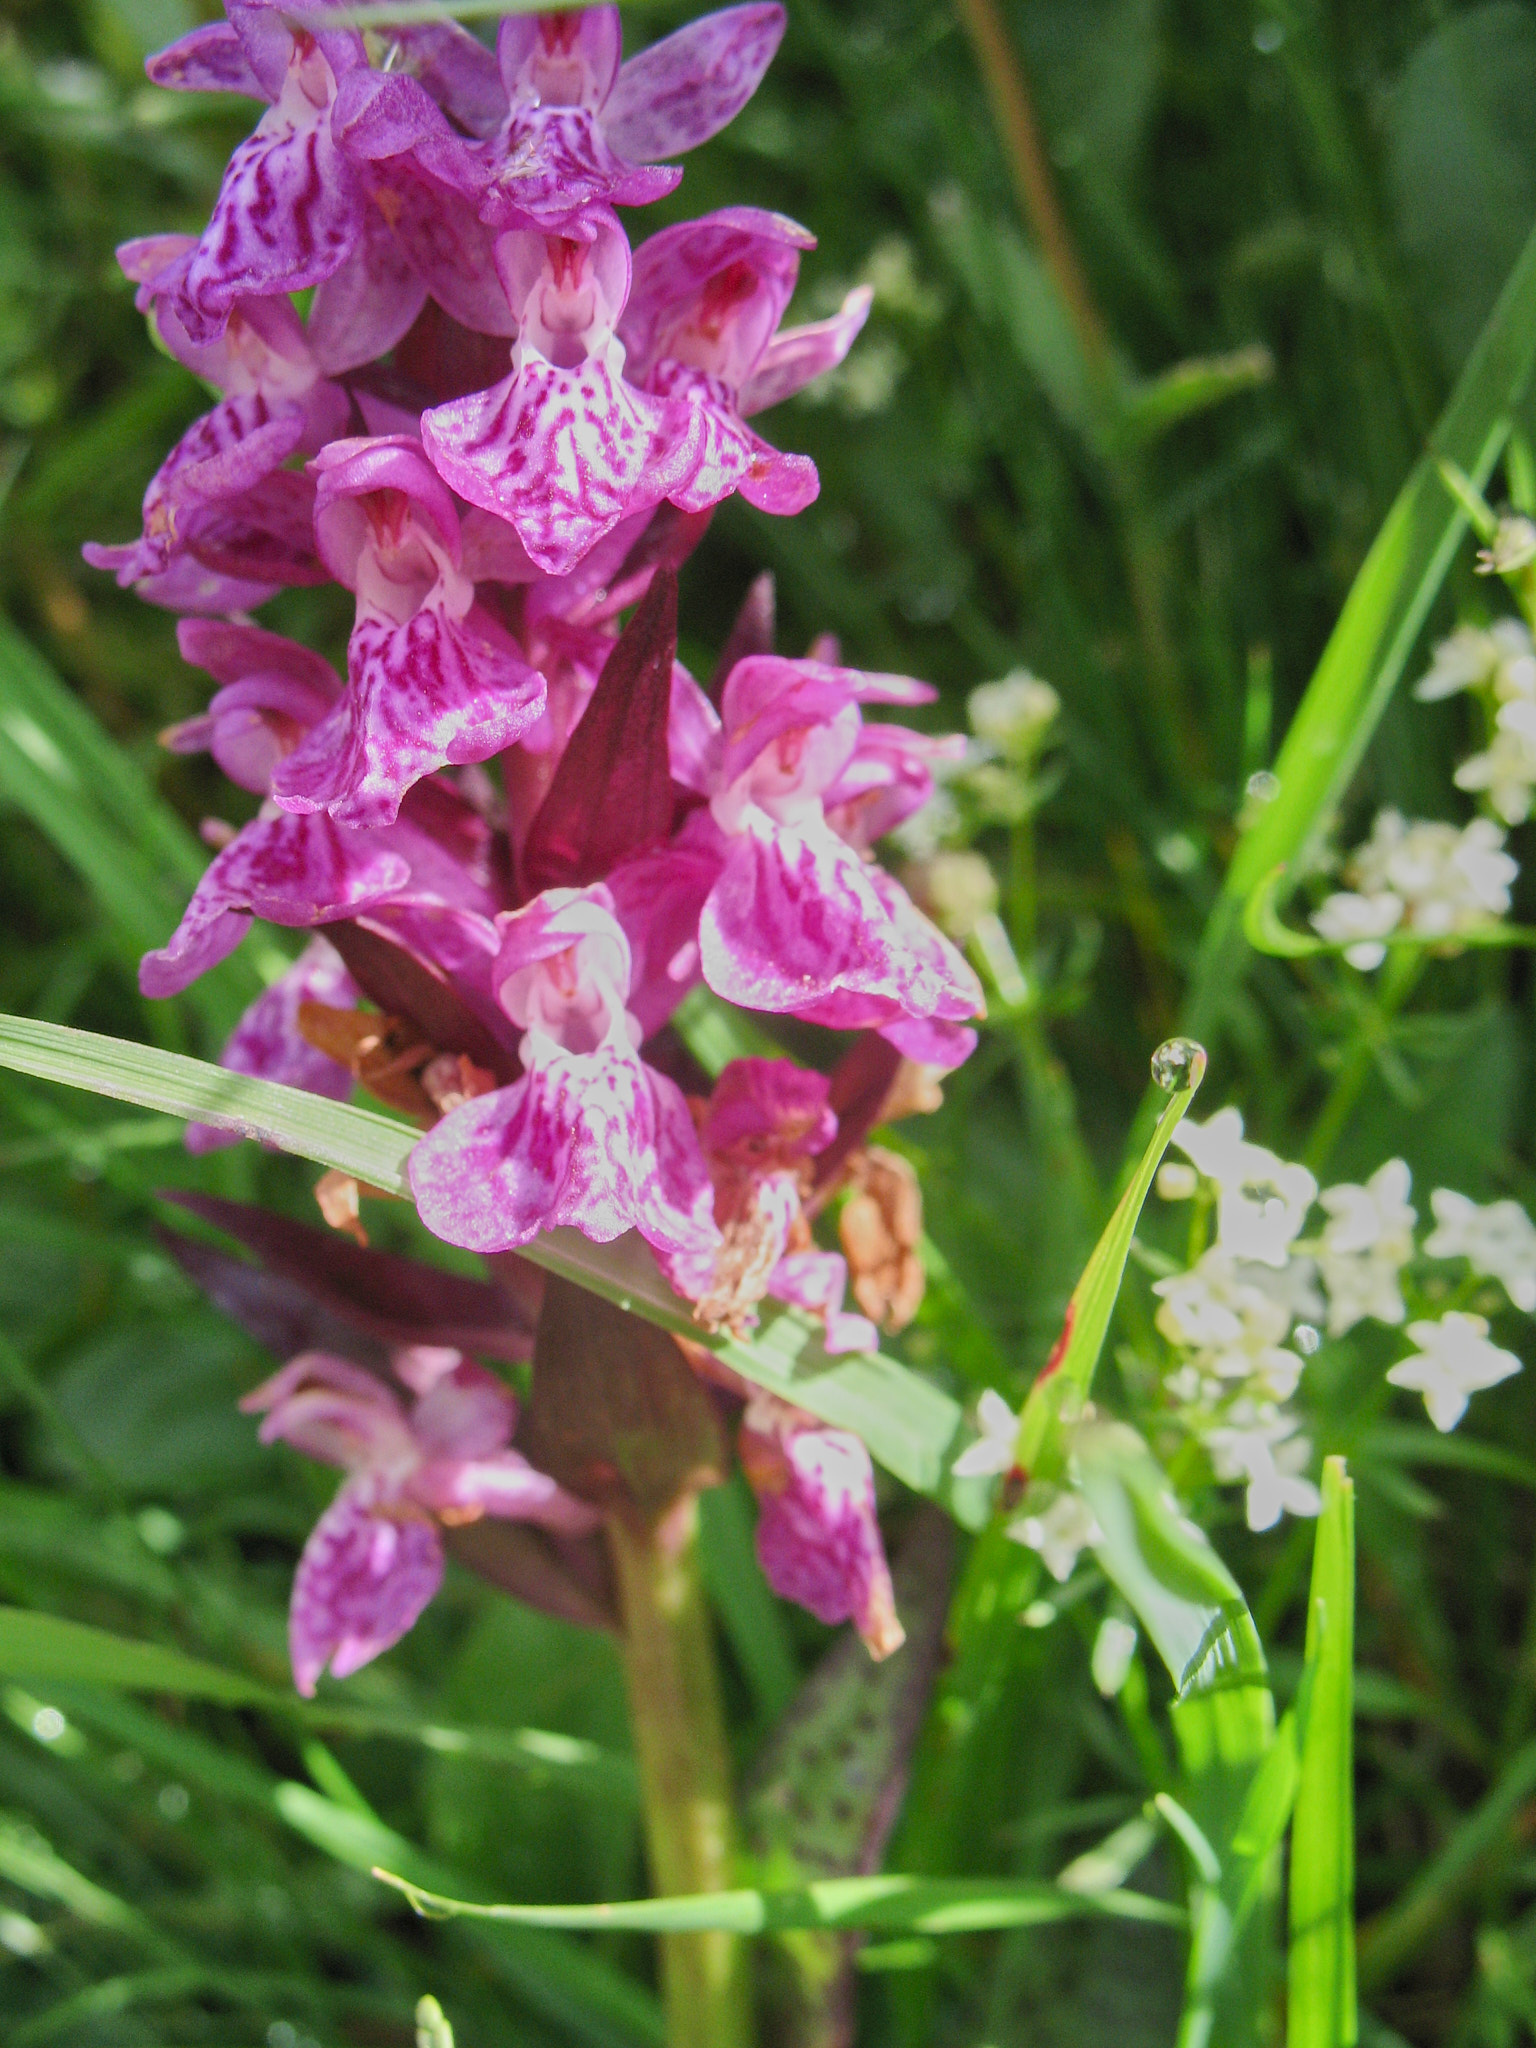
(338, 1195)
(881, 1225)
(381, 1052)
(452, 1079)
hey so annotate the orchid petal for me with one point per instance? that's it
(797, 919)
(558, 453)
(207, 59)
(799, 355)
(288, 213)
(291, 871)
(362, 309)
(433, 692)
(458, 71)
(593, 1140)
(362, 1581)
(685, 88)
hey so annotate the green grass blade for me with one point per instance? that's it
(45, 1649)
(881, 1904)
(1322, 2010)
(1185, 1598)
(559, 1979)
(908, 1424)
(1094, 1297)
(90, 800)
(1375, 634)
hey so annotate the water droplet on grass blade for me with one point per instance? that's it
(1178, 1063)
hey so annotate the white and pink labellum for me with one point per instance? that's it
(561, 447)
(268, 1044)
(818, 1537)
(432, 678)
(589, 1135)
(290, 208)
(375, 1557)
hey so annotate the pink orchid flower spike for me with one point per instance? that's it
(818, 1536)
(375, 1557)
(589, 1135)
(432, 679)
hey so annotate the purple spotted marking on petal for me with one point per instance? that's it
(684, 89)
(596, 1140)
(362, 1581)
(561, 454)
(433, 692)
(797, 919)
(295, 871)
(289, 210)
(818, 1537)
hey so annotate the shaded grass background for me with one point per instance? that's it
(1344, 187)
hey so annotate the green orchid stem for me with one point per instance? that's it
(1397, 983)
(685, 1776)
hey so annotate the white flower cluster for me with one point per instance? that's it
(1437, 881)
(1243, 1318)
(1242, 1321)
(1441, 881)
(1498, 664)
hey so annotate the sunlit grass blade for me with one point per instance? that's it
(1185, 1598)
(89, 799)
(919, 1905)
(1321, 2009)
(1093, 1299)
(908, 1424)
(1370, 645)
(46, 1649)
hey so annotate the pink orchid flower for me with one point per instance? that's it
(432, 678)
(554, 126)
(561, 447)
(228, 466)
(291, 208)
(589, 1135)
(765, 1122)
(701, 326)
(818, 1536)
(798, 920)
(375, 1557)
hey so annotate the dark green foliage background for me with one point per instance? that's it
(1345, 185)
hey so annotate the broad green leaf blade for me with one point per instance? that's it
(45, 1649)
(1321, 2010)
(1094, 1297)
(916, 1905)
(87, 796)
(908, 1424)
(1184, 1596)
